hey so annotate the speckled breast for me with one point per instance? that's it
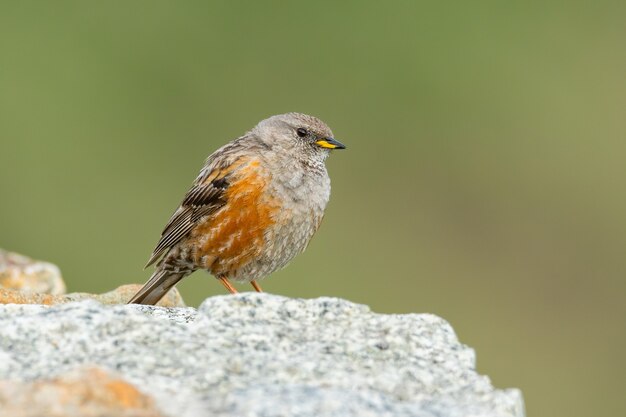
(274, 224)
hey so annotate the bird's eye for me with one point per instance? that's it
(302, 132)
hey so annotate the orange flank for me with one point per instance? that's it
(231, 238)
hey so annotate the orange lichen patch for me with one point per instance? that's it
(124, 394)
(236, 233)
(11, 282)
(17, 297)
(86, 392)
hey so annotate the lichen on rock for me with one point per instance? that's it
(85, 392)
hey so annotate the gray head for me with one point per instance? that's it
(300, 134)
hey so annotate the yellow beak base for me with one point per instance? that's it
(330, 143)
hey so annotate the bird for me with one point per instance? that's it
(255, 205)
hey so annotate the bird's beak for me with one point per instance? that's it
(330, 143)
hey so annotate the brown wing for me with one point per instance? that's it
(205, 197)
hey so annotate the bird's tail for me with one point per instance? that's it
(157, 286)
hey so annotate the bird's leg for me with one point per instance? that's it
(256, 286)
(228, 285)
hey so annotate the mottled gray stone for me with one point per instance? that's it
(260, 355)
(21, 273)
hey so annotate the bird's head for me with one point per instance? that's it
(299, 134)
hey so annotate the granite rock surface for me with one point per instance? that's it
(257, 355)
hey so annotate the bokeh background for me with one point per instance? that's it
(484, 180)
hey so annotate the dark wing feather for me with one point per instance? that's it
(201, 200)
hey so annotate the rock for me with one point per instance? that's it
(120, 295)
(259, 355)
(21, 273)
(26, 281)
(89, 392)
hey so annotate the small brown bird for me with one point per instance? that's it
(255, 205)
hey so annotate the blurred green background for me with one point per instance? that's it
(484, 179)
